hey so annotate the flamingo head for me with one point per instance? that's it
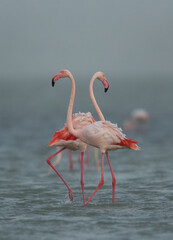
(102, 78)
(61, 74)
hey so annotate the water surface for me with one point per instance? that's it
(34, 204)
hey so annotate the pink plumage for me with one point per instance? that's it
(129, 143)
(106, 136)
(80, 120)
(62, 134)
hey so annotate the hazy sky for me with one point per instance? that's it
(126, 37)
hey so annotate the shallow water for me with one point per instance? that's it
(35, 204)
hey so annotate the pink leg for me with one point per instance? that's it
(113, 178)
(82, 182)
(88, 158)
(70, 159)
(48, 161)
(101, 181)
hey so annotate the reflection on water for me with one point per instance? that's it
(35, 203)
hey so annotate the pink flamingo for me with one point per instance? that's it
(138, 117)
(101, 134)
(67, 141)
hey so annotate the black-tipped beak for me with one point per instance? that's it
(106, 89)
(53, 83)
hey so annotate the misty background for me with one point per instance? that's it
(123, 38)
(130, 41)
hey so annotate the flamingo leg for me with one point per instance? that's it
(48, 161)
(101, 181)
(70, 159)
(82, 182)
(88, 158)
(57, 161)
(113, 178)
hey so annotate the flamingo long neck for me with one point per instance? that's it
(93, 98)
(70, 107)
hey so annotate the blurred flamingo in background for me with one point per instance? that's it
(66, 140)
(138, 117)
(101, 134)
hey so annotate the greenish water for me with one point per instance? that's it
(35, 205)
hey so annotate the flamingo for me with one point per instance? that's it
(138, 117)
(101, 134)
(64, 139)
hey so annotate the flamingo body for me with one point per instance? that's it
(106, 136)
(65, 139)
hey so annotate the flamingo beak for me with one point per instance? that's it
(53, 83)
(106, 89)
(106, 84)
(55, 78)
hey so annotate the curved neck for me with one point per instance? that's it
(70, 107)
(93, 98)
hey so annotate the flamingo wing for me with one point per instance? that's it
(104, 133)
(118, 137)
(80, 120)
(62, 134)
